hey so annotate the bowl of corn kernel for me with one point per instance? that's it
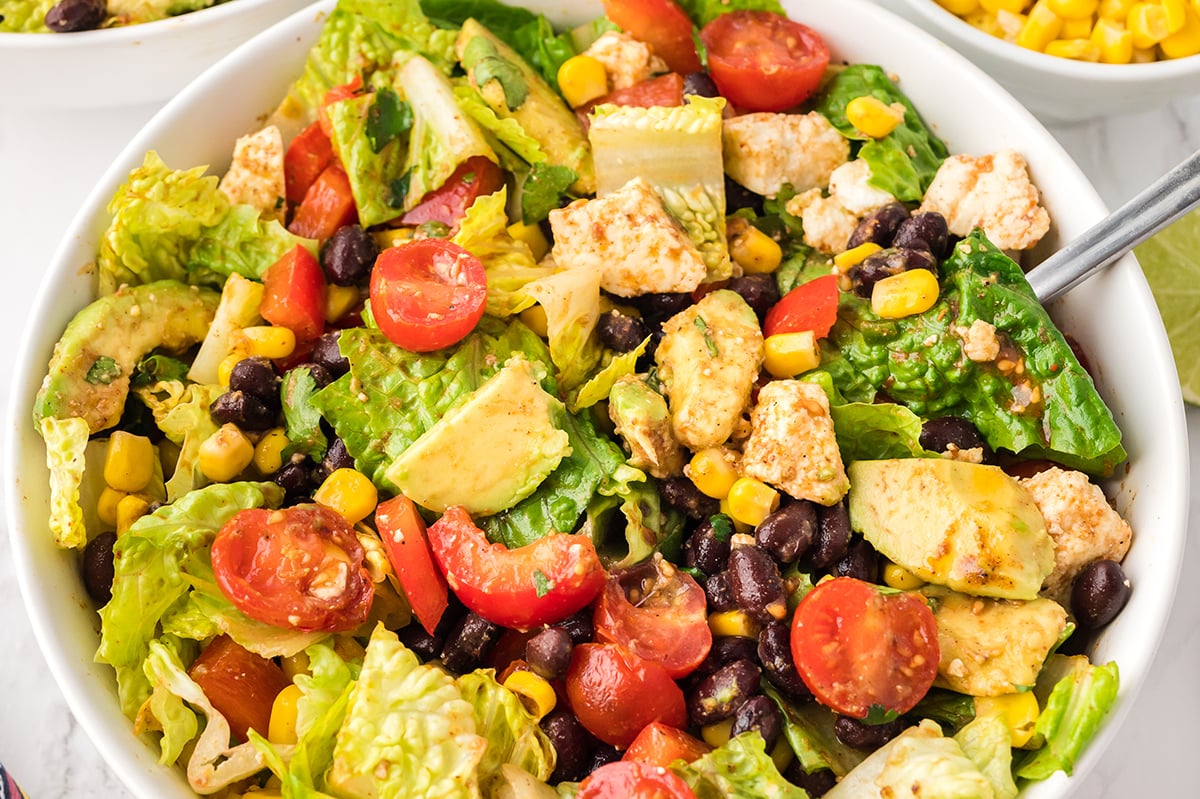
(1074, 59)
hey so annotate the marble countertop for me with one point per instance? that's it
(48, 163)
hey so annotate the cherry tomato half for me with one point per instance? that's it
(625, 780)
(615, 693)
(476, 177)
(663, 25)
(427, 294)
(540, 583)
(857, 647)
(762, 61)
(660, 745)
(239, 683)
(810, 306)
(300, 568)
(294, 294)
(656, 611)
(402, 531)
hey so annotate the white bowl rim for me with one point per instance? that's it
(1066, 67)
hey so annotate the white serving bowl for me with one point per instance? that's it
(1113, 316)
(130, 65)
(1058, 89)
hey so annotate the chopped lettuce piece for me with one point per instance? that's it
(703, 12)
(240, 298)
(988, 742)
(25, 16)
(650, 524)
(373, 170)
(172, 717)
(513, 735)
(303, 420)
(571, 300)
(182, 413)
(809, 731)
(1075, 697)
(242, 243)
(738, 769)
(66, 443)
(598, 387)
(507, 129)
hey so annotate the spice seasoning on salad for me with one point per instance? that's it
(509, 448)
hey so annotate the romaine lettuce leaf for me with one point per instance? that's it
(738, 769)
(66, 443)
(600, 385)
(808, 728)
(513, 735)
(240, 300)
(373, 167)
(172, 717)
(303, 421)
(181, 411)
(650, 524)
(988, 742)
(242, 242)
(571, 300)
(25, 16)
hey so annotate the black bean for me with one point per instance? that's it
(257, 377)
(705, 550)
(1100, 591)
(719, 593)
(98, 567)
(759, 291)
(738, 196)
(572, 743)
(938, 435)
(719, 694)
(700, 83)
(549, 651)
(833, 536)
(602, 755)
(336, 457)
(294, 478)
(69, 16)
(816, 784)
(321, 376)
(924, 231)
(579, 626)
(756, 585)
(348, 256)
(861, 562)
(326, 353)
(788, 533)
(468, 642)
(244, 410)
(860, 735)
(886, 263)
(759, 713)
(725, 650)
(620, 332)
(775, 655)
(879, 227)
(657, 308)
(682, 495)
(424, 645)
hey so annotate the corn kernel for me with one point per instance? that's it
(855, 255)
(711, 472)
(1077, 28)
(533, 237)
(349, 492)
(131, 508)
(1115, 43)
(268, 452)
(718, 733)
(128, 462)
(1115, 10)
(751, 501)
(986, 22)
(582, 79)
(900, 578)
(1019, 711)
(1011, 6)
(340, 300)
(872, 117)
(535, 693)
(281, 729)
(1148, 24)
(1077, 49)
(1175, 12)
(733, 624)
(911, 292)
(225, 369)
(392, 237)
(790, 354)
(265, 341)
(1041, 27)
(738, 525)
(534, 318)
(106, 505)
(959, 7)
(1010, 25)
(1186, 41)
(754, 251)
(1144, 55)
(225, 454)
(1074, 9)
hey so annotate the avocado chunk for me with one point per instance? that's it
(514, 91)
(643, 422)
(967, 526)
(992, 647)
(490, 452)
(90, 369)
(708, 360)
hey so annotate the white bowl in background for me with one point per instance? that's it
(1113, 316)
(129, 65)
(1058, 89)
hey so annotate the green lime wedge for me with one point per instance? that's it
(1171, 263)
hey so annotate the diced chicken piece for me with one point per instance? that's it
(626, 60)
(993, 192)
(827, 225)
(629, 238)
(980, 343)
(792, 444)
(256, 175)
(850, 186)
(763, 151)
(1081, 522)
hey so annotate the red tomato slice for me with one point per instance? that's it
(762, 61)
(810, 306)
(327, 205)
(427, 294)
(660, 745)
(661, 24)
(239, 683)
(476, 177)
(294, 294)
(540, 583)
(335, 95)
(666, 623)
(624, 780)
(402, 531)
(307, 156)
(300, 568)
(615, 693)
(859, 648)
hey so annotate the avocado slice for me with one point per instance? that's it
(90, 369)
(490, 452)
(514, 91)
(642, 420)
(967, 526)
